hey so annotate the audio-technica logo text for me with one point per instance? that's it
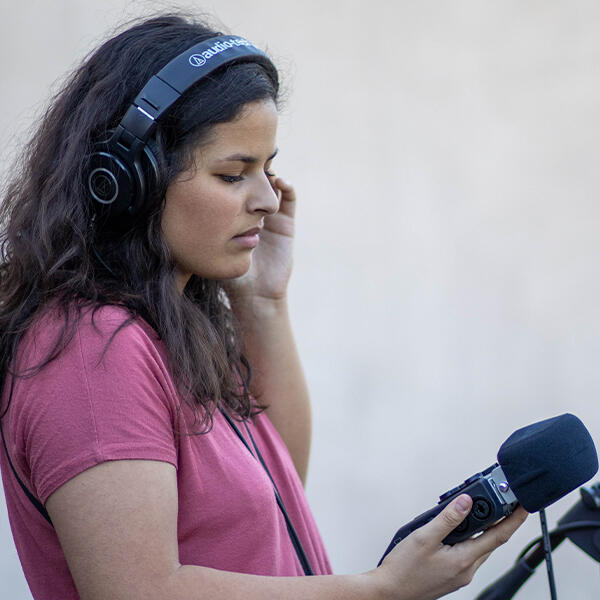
(198, 60)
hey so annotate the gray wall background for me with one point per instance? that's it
(446, 286)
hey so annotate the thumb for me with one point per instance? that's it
(451, 517)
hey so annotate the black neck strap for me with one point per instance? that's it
(40, 507)
(300, 553)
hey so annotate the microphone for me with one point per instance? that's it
(537, 465)
(545, 461)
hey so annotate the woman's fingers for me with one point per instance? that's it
(287, 189)
(448, 520)
(480, 561)
(437, 529)
(287, 196)
(498, 534)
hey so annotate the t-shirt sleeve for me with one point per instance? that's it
(97, 402)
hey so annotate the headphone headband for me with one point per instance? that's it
(180, 74)
(117, 180)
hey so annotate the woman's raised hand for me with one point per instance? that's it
(271, 267)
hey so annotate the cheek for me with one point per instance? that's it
(186, 228)
(197, 224)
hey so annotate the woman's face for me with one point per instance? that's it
(214, 210)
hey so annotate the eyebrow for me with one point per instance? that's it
(250, 160)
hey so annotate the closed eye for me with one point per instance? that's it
(231, 178)
(238, 178)
(247, 160)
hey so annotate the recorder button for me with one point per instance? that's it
(473, 478)
(451, 493)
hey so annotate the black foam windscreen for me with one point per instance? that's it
(545, 461)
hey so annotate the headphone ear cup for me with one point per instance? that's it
(119, 184)
(110, 182)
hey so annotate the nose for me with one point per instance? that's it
(263, 198)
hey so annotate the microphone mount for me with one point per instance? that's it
(576, 525)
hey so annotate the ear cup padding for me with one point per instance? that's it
(148, 177)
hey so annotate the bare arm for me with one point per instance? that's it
(259, 301)
(277, 375)
(117, 524)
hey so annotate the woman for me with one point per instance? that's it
(155, 415)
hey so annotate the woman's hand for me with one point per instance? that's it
(271, 267)
(421, 567)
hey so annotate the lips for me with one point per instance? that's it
(249, 233)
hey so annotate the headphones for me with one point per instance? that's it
(123, 168)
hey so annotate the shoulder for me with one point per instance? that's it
(92, 329)
(117, 330)
(102, 345)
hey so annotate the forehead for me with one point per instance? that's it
(253, 131)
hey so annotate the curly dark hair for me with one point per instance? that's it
(53, 252)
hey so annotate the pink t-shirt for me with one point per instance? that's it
(90, 405)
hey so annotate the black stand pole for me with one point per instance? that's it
(548, 554)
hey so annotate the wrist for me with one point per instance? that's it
(259, 307)
(378, 588)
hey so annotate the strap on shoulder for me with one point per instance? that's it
(38, 505)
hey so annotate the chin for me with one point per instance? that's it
(226, 268)
(237, 274)
(235, 271)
